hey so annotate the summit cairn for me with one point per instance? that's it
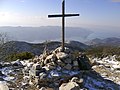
(53, 68)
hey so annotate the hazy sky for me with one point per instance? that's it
(34, 12)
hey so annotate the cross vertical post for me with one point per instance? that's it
(63, 25)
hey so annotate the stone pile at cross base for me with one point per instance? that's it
(52, 69)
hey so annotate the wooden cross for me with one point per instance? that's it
(63, 15)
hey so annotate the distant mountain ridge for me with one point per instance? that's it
(18, 47)
(40, 34)
(107, 41)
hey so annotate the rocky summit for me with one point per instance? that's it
(51, 69)
(57, 70)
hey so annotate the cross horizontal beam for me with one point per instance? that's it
(66, 15)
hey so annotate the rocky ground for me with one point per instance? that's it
(57, 70)
(108, 68)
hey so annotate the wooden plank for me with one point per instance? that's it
(66, 15)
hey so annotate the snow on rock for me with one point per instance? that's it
(54, 74)
(17, 63)
(6, 70)
(117, 67)
(108, 67)
(96, 82)
(9, 78)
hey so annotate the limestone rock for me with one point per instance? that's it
(37, 66)
(116, 67)
(46, 68)
(51, 57)
(59, 49)
(42, 88)
(36, 79)
(42, 75)
(46, 61)
(51, 65)
(69, 86)
(3, 86)
(60, 63)
(35, 70)
(61, 55)
(6, 64)
(74, 79)
(77, 80)
(26, 79)
(17, 63)
(36, 58)
(1, 74)
(54, 74)
(30, 82)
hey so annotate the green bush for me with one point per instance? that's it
(118, 58)
(102, 51)
(21, 56)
